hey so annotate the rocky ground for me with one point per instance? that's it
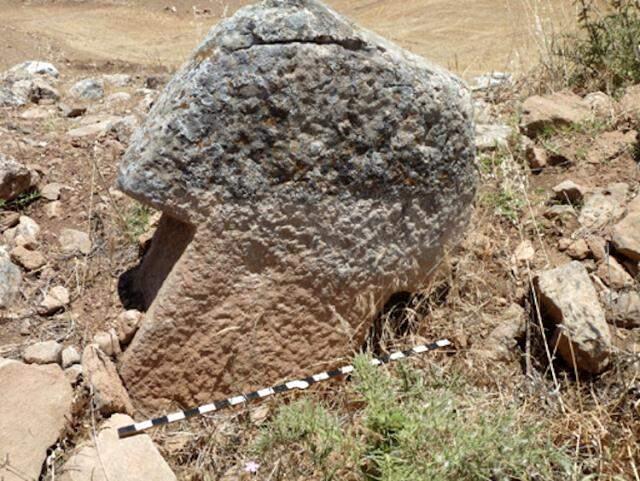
(540, 298)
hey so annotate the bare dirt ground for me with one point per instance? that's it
(469, 36)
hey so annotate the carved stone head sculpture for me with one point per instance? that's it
(306, 170)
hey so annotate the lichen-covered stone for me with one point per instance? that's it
(307, 170)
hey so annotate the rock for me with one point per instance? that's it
(117, 80)
(30, 260)
(30, 69)
(127, 324)
(94, 126)
(299, 184)
(73, 374)
(598, 247)
(56, 299)
(51, 191)
(524, 252)
(123, 128)
(10, 280)
(570, 301)
(27, 228)
(70, 356)
(629, 104)
(578, 249)
(603, 207)
(492, 136)
(113, 459)
(625, 236)
(35, 406)
(46, 352)
(8, 219)
(15, 178)
(569, 192)
(559, 211)
(109, 395)
(117, 98)
(610, 145)
(37, 113)
(88, 89)
(613, 274)
(72, 111)
(564, 243)
(557, 110)
(107, 342)
(154, 82)
(537, 157)
(74, 242)
(625, 310)
(492, 81)
(502, 341)
(53, 209)
(39, 91)
(601, 104)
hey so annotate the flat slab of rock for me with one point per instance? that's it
(46, 352)
(74, 242)
(552, 111)
(626, 234)
(15, 178)
(35, 405)
(100, 373)
(570, 301)
(603, 206)
(287, 156)
(130, 459)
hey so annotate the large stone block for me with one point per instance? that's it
(307, 170)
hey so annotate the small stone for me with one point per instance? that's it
(603, 207)
(37, 113)
(51, 191)
(492, 136)
(117, 98)
(70, 356)
(537, 157)
(8, 219)
(613, 274)
(74, 242)
(72, 111)
(47, 352)
(127, 324)
(53, 209)
(625, 236)
(88, 89)
(259, 414)
(154, 82)
(30, 69)
(564, 243)
(553, 111)
(569, 192)
(578, 249)
(94, 126)
(570, 301)
(27, 228)
(109, 394)
(56, 299)
(598, 247)
(28, 259)
(559, 211)
(601, 104)
(109, 458)
(630, 102)
(10, 280)
(525, 252)
(108, 342)
(35, 408)
(502, 341)
(625, 310)
(15, 178)
(117, 80)
(74, 374)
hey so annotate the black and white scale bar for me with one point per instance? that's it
(270, 391)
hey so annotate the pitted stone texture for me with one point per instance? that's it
(323, 169)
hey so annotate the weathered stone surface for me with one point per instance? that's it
(551, 111)
(109, 395)
(117, 80)
(570, 301)
(307, 170)
(46, 352)
(491, 136)
(578, 249)
(604, 206)
(31, 68)
(569, 192)
(613, 274)
(625, 310)
(131, 459)
(70, 356)
(15, 178)
(502, 341)
(626, 234)
(630, 102)
(107, 342)
(601, 104)
(27, 228)
(30, 260)
(35, 404)
(54, 300)
(88, 89)
(127, 324)
(74, 242)
(10, 280)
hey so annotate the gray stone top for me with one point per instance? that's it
(288, 98)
